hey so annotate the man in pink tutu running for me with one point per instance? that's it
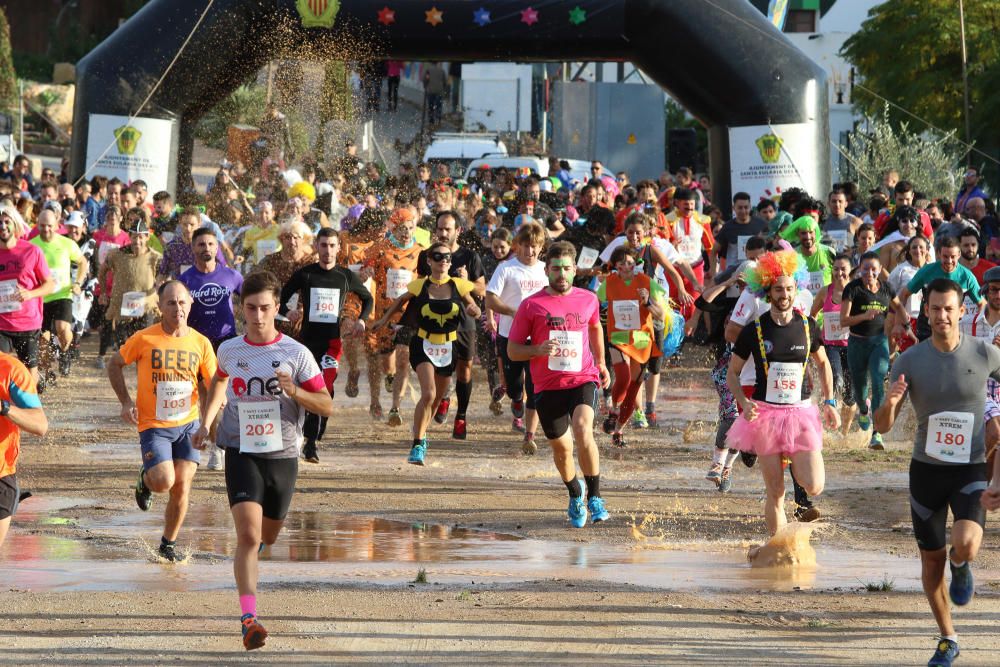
(779, 421)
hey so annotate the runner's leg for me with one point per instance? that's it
(809, 471)
(428, 391)
(774, 483)
(177, 505)
(932, 577)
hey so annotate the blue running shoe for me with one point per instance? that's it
(417, 453)
(962, 587)
(597, 512)
(864, 422)
(945, 654)
(577, 509)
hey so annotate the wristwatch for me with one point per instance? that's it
(4, 408)
(832, 402)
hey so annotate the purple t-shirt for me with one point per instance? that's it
(178, 257)
(212, 311)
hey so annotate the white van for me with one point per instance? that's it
(579, 170)
(459, 149)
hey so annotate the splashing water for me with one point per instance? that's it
(789, 547)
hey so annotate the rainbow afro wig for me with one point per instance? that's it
(771, 266)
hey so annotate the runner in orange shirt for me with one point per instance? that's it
(172, 361)
(354, 245)
(20, 409)
(392, 263)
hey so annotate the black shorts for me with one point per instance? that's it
(465, 345)
(655, 363)
(556, 407)
(400, 337)
(418, 356)
(60, 310)
(935, 488)
(24, 344)
(268, 482)
(9, 496)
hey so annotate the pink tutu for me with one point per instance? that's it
(778, 429)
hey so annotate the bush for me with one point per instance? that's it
(243, 106)
(931, 161)
(8, 77)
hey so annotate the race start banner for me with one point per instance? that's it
(140, 148)
(765, 160)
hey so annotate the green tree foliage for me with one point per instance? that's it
(244, 106)
(8, 78)
(928, 160)
(909, 51)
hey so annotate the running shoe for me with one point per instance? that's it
(498, 393)
(610, 423)
(441, 415)
(417, 453)
(254, 633)
(376, 412)
(529, 447)
(639, 419)
(65, 361)
(389, 378)
(216, 458)
(578, 509)
(309, 452)
(169, 552)
(143, 496)
(864, 422)
(945, 655)
(352, 383)
(876, 443)
(652, 420)
(748, 458)
(517, 425)
(618, 440)
(962, 587)
(517, 409)
(715, 474)
(597, 511)
(458, 432)
(726, 483)
(496, 407)
(394, 418)
(100, 364)
(806, 514)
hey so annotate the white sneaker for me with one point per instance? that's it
(215, 458)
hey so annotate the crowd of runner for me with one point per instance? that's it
(239, 306)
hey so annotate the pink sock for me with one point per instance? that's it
(248, 604)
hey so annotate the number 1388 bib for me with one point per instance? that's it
(260, 427)
(949, 436)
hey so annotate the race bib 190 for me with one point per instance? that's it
(324, 305)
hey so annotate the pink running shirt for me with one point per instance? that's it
(541, 313)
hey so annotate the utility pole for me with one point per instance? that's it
(965, 76)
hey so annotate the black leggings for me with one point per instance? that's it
(517, 375)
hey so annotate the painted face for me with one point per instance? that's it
(625, 267)
(561, 271)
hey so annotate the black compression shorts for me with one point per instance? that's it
(555, 407)
(9, 496)
(935, 488)
(267, 482)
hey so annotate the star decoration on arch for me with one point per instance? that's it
(434, 16)
(386, 16)
(577, 15)
(529, 16)
(481, 17)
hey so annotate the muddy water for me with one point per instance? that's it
(118, 554)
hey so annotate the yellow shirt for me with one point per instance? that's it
(169, 368)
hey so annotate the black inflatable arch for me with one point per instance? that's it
(722, 60)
